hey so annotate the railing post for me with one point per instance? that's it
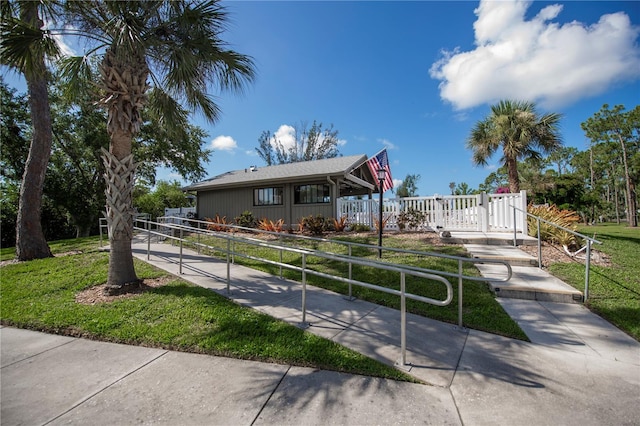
(180, 251)
(586, 272)
(403, 322)
(148, 240)
(100, 228)
(280, 250)
(460, 324)
(525, 222)
(515, 229)
(228, 266)
(198, 232)
(350, 273)
(539, 243)
(304, 290)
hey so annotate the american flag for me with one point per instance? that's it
(381, 161)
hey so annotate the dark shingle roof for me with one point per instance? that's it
(338, 166)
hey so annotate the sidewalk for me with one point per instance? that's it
(578, 369)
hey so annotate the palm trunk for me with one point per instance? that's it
(124, 78)
(30, 240)
(119, 175)
(514, 180)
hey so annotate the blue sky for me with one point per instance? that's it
(416, 76)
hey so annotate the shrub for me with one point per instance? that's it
(339, 225)
(246, 220)
(376, 224)
(411, 219)
(360, 227)
(315, 225)
(218, 224)
(565, 218)
(271, 226)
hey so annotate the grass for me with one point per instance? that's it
(614, 292)
(480, 309)
(40, 295)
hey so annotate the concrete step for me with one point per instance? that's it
(487, 238)
(510, 254)
(530, 283)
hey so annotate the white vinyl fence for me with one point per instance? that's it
(481, 212)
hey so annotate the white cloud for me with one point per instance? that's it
(387, 143)
(286, 135)
(538, 59)
(224, 143)
(397, 182)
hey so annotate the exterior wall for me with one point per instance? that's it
(234, 201)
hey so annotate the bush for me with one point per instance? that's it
(565, 218)
(246, 220)
(411, 219)
(315, 225)
(218, 224)
(360, 227)
(271, 226)
(339, 225)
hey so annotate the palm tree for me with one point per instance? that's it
(520, 131)
(24, 46)
(159, 55)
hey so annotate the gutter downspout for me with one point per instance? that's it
(334, 200)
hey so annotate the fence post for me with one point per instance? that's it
(523, 202)
(483, 212)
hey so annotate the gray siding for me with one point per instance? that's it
(232, 202)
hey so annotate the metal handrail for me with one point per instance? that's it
(375, 247)
(460, 260)
(589, 240)
(305, 253)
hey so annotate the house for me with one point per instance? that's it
(286, 191)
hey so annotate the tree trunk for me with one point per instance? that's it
(631, 200)
(30, 241)
(119, 175)
(512, 170)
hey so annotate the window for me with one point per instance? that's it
(312, 194)
(267, 196)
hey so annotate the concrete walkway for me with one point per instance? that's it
(578, 369)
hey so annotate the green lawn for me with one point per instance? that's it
(40, 295)
(480, 309)
(614, 292)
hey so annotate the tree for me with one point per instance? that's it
(305, 144)
(408, 187)
(562, 158)
(24, 46)
(177, 46)
(165, 195)
(518, 129)
(616, 125)
(463, 189)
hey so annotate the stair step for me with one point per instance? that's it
(530, 283)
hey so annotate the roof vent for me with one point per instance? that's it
(253, 168)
